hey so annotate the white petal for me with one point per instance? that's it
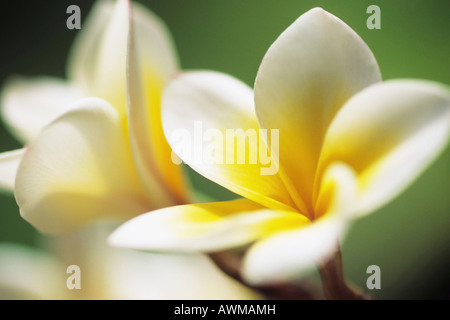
(291, 254)
(144, 275)
(9, 163)
(154, 46)
(78, 170)
(83, 56)
(150, 60)
(203, 227)
(26, 273)
(30, 104)
(305, 77)
(389, 134)
(98, 59)
(338, 192)
(199, 108)
(114, 273)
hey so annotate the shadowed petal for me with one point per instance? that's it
(150, 60)
(79, 169)
(30, 104)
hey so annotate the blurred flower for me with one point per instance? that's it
(109, 273)
(348, 143)
(95, 158)
(91, 159)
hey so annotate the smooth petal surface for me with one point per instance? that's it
(9, 162)
(154, 47)
(110, 273)
(199, 108)
(145, 275)
(30, 104)
(388, 134)
(150, 60)
(203, 227)
(306, 76)
(98, 59)
(79, 169)
(290, 254)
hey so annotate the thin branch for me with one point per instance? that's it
(334, 285)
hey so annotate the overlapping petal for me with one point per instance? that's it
(204, 227)
(84, 52)
(98, 67)
(291, 253)
(98, 60)
(150, 61)
(79, 169)
(306, 76)
(199, 108)
(30, 104)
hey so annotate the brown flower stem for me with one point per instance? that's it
(333, 281)
(230, 263)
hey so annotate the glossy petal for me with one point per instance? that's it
(203, 227)
(150, 60)
(199, 108)
(30, 104)
(79, 169)
(304, 79)
(9, 162)
(388, 134)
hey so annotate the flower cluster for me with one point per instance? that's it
(98, 146)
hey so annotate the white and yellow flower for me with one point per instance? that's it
(89, 159)
(348, 143)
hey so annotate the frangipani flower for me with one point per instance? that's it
(95, 158)
(348, 143)
(88, 159)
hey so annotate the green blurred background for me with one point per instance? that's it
(409, 238)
